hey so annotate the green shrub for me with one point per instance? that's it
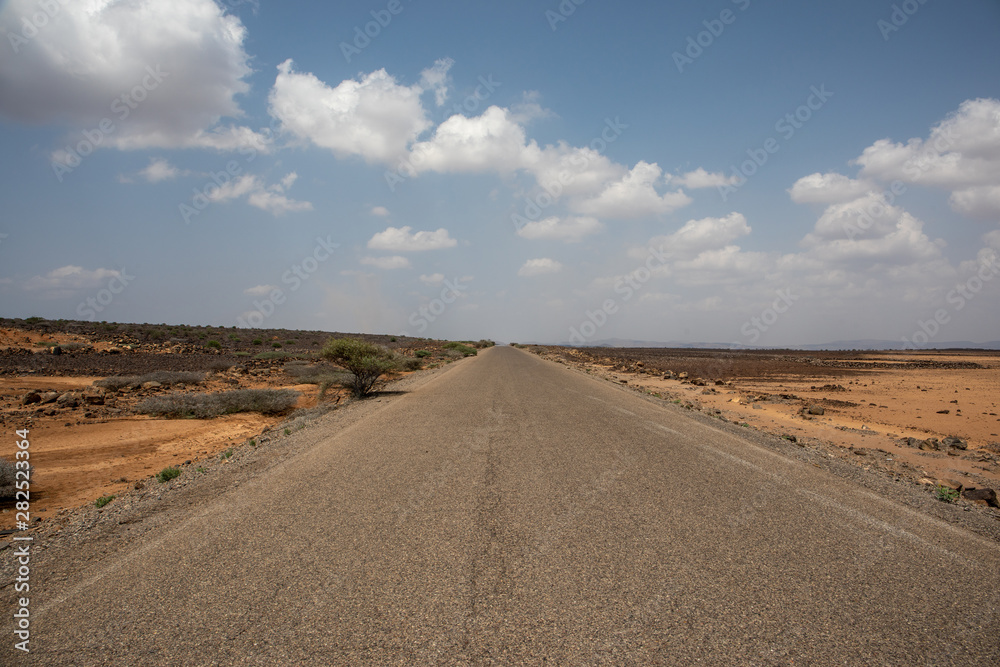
(367, 363)
(34, 320)
(102, 501)
(206, 406)
(226, 454)
(214, 343)
(234, 337)
(258, 341)
(167, 474)
(945, 494)
(420, 354)
(276, 345)
(392, 339)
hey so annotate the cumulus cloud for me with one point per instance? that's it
(387, 263)
(539, 266)
(158, 170)
(699, 235)
(403, 240)
(374, 118)
(68, 280)
(634, 196)
(380, 211)
(569, 230)
(828, 189)
(491, 142)
(981, 202)
(165, 74)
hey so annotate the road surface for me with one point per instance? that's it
(513, 511)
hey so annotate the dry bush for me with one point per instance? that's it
(166, 378)
(206, 406)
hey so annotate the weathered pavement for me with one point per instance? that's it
(511, 511)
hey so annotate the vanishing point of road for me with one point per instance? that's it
(512, 511)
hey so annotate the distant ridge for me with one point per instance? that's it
(865, 344)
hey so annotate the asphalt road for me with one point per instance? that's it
(512, 511)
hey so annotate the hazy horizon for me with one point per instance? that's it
(573, 171)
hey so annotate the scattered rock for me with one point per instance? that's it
(930, 445)
(30, 398)
(56, 349)
(944, 412)
(68, 400)
(956, 442)
(682, 376)
(151, 385)
(816, 410)
(50, 397)
(988, 496)
(93, 398)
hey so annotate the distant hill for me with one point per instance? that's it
(866, 344)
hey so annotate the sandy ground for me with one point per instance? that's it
(77, 459)
(866, 414)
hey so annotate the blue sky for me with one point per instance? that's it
(521, 171)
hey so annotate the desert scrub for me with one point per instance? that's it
(461, 348)
(8, 478)
(420, 354)
(166, 378)
(103, 500)
(206, 406)
(167, 474)
(214, 343)
(368, 364)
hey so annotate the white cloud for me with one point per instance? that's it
(828, 188)
(634, 196)
(980, 202)
(432, 279)
(267, 198)
(436, 78)
(962, 151)
(67, 280)
(179, 65)
(697, 236)
(699, 178)
(529, 108)
(538, 267)
(374, 118)
(491, 142)
(380, 211)
(259, 290)
(570, 230)
(387, 263)
(402, 240)
(158, 170)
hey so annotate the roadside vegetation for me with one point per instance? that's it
(206, 406)
(369, 365)
(165, 378)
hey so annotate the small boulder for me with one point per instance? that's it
(30, 398)
(151, 385)
(68, 400)
(94, 398)
(682, 376)
(988, 496)
(930, 445)
(956, 442)
(50, 397)
(816, 410)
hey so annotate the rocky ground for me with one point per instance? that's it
(929, 418)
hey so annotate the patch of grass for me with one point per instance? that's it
(289, 342)
(392, 339)
(201, 469)
(168, 474)
(284, 354)
(253, 443)
(276, 345)
(257, 341)
(166, 378)
(241, 354)
(288, 431)
(945, 494)
(214, 343)
(46, 343)
(103, 500)
(226, 454)
(233, 337)
(206, 406)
